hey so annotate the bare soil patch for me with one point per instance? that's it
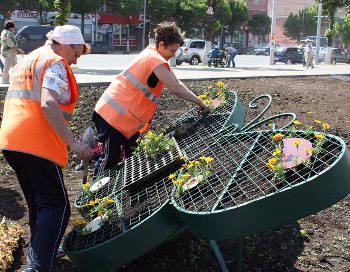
(319, 242)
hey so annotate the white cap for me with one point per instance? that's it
(66, 34)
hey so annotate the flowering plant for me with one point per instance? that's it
(154, 144)
(10, 235)
(100, 208)
(222, 92)
(276, 165)
(191, 174)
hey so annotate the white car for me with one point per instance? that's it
(191, 52)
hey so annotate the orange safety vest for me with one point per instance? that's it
(24, 126)
(129, 102)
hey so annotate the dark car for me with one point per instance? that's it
(32, 37)
(101, 47)
(289, 55)
(242, 49)
(265, 50)
(337, 55)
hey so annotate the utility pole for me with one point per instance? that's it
(273, 32)
(96, 25)
(144, 25)
(302, 25)
(318, 32)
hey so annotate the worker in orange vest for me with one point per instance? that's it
(34, 136)
(130, 101)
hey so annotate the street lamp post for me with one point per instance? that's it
(144, 25)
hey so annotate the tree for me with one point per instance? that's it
(189, 14)
(297, 26)
(36, 5)
(344, 30)
(292, 27)
(159, 11)
(260, 25)
(239, 12)
(209, 19)
(329, 7)
(126, 8)
(84, 7)
(63, 11)
(6, 6)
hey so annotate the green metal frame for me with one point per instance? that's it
(239, 198)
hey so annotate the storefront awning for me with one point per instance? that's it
(119, 19)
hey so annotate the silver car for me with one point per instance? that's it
(191, 52)
(338, 55)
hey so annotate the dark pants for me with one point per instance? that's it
(232, 58)
(49, 209)
(112, 140)
(1, 65)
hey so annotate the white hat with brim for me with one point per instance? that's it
(307, 40)
(66, 34)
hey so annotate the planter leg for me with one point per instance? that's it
(219, 256)
(240, 254)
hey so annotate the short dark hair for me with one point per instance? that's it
(169, 34)
(9, 24)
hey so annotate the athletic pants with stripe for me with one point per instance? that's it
(49, 209)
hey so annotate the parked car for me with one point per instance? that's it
(242, 49)
(191, 52)
(32, 37)
(289, 55)
(101, 47)
(337, 55)
(265, 50)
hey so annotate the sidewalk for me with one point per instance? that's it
(190, 73)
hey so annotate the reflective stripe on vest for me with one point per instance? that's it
(114, 104)
(140, 86)
(29, 94)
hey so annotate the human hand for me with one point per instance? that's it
(203, 108)
(20, 51)
(83, 150)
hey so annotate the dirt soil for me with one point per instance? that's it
(319, 242)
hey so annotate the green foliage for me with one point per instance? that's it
(344, 30)
(6, 6)
(85, 6)
(209, 19)
(260, 24)
(239, 12)
(329, 34)
(223, 13)
(292, 27)
(63, 11)
(125, 7)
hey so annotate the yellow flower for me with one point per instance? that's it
(172, 176)
(220, 84)
(100, 213)
(219, 92)
(145, 147)
(209, 159)
(110, 201)
(76, 221)
(278, 136)
(105, 198)
(181, 169)
(276, 152)
(186, 175)
(91, 202)
(269, 165)
(157, 149)
(183, 157)
(149, 133)
(97, 200)
(308, 113)
(157, 139)
(317, 122)
(270, 125)
(197, 163)
(83, 222)
(190, 166)
(319, 136)
(308, 150)
(272, 161)
(326, 126)
(175, 181)
(85, 185)
(296, 122)
(202, 158)
(138, 140)
(206, 93)
(297, 143)
(211, 86)
(180, 181)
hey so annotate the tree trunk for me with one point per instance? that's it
(40, 14)
(127, 33)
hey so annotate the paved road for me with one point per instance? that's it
(101, 69)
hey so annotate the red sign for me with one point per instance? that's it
(132, 42)
(22, 14)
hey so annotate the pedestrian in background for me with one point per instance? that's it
(231, 53)
(34, 136)
(8, 50)
(129, 103)
(308, 54)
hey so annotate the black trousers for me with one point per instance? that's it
(112, 140)
(49, 209)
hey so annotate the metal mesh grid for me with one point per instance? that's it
(116, 178)
(240, 174)
(129, 210)
(140, 169)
